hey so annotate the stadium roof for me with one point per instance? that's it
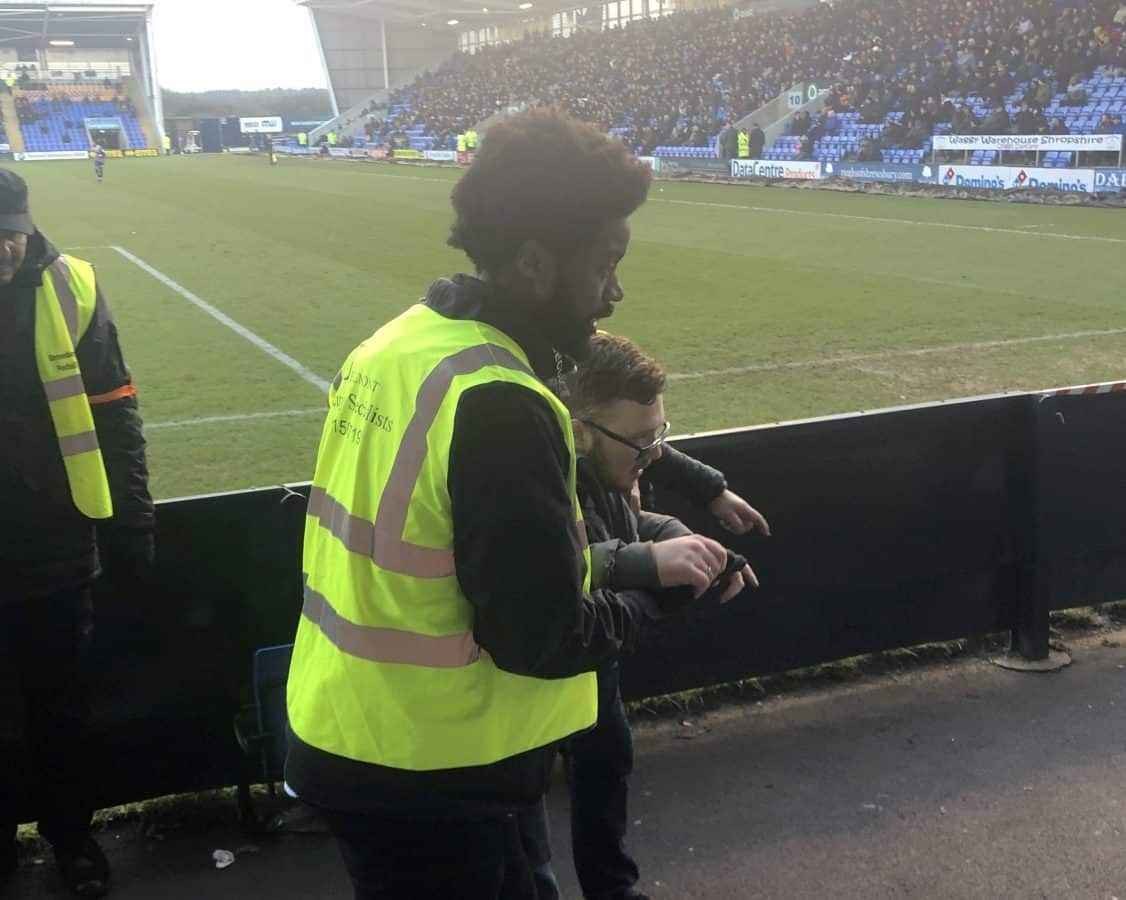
(438, 13)
(89, 22)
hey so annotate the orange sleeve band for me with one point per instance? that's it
(126, 390)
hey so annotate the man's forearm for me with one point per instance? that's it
(677, 471)
(516, 543)
(122, 443)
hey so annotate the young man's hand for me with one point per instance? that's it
(635, 497)
(737, 515)
(692, 561)
(743, 578)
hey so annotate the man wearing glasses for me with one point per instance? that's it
(617, 407)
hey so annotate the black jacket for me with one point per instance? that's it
(758, 141)
(47, 545)
(729, 142)
(520, 566)
(621, 553)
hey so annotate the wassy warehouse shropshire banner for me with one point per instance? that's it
(1104, 143)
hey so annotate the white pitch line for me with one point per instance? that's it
(688, 376)
(1021, 229)
(969, 285)
(890, 221)
(261, 343)
(409, 177)
(236, 417)
(888, 354)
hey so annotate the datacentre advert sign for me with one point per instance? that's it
(1110, 180)
(765, 168)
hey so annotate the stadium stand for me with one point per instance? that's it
(900, 70)
(54, 117)
(1107, 93)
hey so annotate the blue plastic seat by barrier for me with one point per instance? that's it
(261, 727)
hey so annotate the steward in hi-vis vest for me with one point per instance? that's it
(74, 479)
(449, 635)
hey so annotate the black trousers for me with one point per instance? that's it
(45, 688)
(398, 858)
(599, 764)
(535, 837)
(601, 761)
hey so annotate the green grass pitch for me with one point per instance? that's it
(799, 303)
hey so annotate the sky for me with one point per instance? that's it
(204, 45)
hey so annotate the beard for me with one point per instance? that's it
(573, 341)
(565, 327)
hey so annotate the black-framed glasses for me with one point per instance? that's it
(661, 437)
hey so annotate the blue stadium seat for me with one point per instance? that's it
(260, 728)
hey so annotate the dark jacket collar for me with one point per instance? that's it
(466, 297)
(40, 254)
(607, 513)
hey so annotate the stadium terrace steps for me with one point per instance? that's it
(11, 122)
(148, 126)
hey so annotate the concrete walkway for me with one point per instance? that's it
(954, 781)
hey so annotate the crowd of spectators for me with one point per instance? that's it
(936, 57)
(26, 111)
(32, 108)
(678, 80)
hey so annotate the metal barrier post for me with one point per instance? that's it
(1029, 648)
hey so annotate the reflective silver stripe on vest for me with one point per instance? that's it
(71, 386)
(83, 442)
(382, 540)
(389, 645)
(356, 534)
(68, 303)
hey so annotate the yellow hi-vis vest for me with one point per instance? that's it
(471, 139)
(64, 307)
(462, 143)
(303, 139)
(385, 668)
(744, 145)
